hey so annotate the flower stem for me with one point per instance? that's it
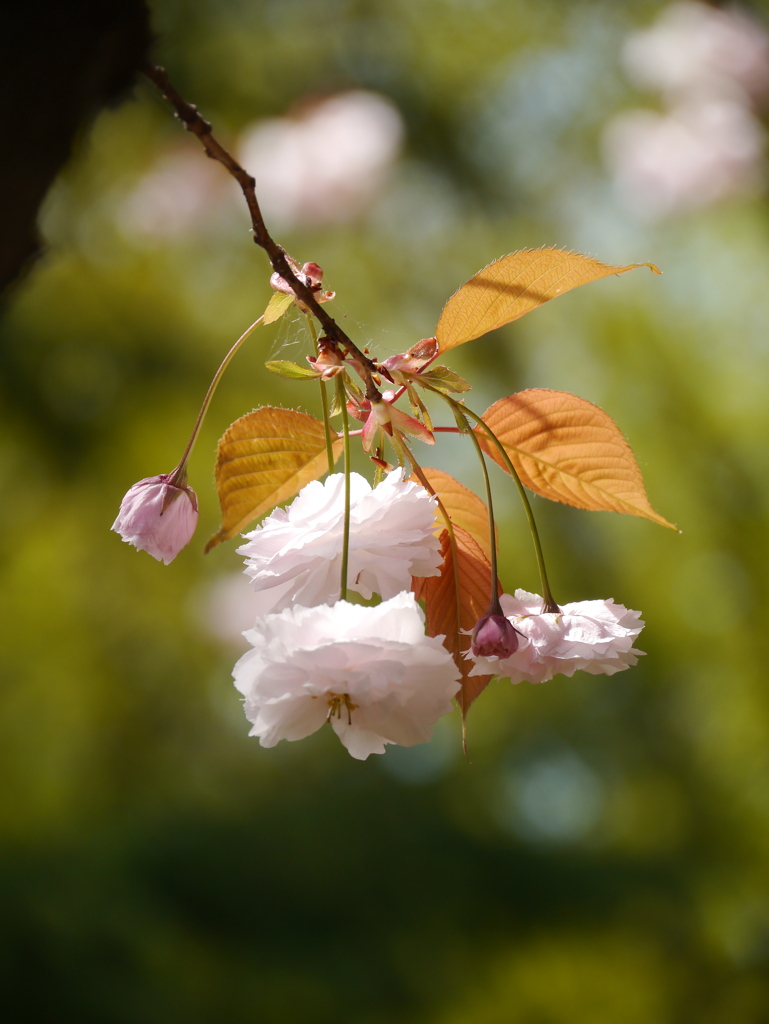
(342, 401)
(179, 475)
(323, 398)
(549, 602)
(492, 528)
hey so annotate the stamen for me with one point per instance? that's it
(336, 703)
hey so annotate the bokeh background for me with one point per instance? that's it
(603, 855)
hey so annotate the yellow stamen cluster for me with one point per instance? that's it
(336, 702)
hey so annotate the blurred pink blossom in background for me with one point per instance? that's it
(693, 49)
(327, 162)
(180, 193)
(323, 163)
(711, 68)
(695, 155)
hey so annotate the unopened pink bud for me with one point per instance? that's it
(313, 275)
(494, 637)
(416, 357)
(158, 517)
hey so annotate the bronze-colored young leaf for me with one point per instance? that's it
(567, 449)
(263, 459)
(450, 608)
(514, 285)
(465, 509)
(277, 306)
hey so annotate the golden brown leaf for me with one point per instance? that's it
(464, 508)
(450, 607)
(263, 459)
(567, 449)
(514, 285)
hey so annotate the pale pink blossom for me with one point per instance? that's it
(370, 672)
(158, 517)
(591, 636)
(295, 555)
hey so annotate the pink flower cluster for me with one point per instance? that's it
(371, 672)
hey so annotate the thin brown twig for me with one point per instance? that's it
(190, 117)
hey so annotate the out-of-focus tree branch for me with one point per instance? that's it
(59, 64)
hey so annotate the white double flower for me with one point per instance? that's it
(371, 672)
(295, 555)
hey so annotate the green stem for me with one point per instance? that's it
(550, 604)
(323, 399)
(492, 528)
(179, 476)
(342, 399)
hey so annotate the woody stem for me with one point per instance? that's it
(191, 119)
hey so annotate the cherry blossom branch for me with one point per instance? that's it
(188, 114)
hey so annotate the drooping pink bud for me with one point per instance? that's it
(158, 517)
(494, 637)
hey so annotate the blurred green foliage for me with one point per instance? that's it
(603, 856)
